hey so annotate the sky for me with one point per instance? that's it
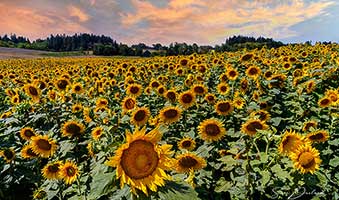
(205, 22)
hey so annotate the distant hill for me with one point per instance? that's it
(105, 45)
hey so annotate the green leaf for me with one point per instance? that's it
(266, 176)
(334, 162)
(177, 191)
(102, 184)
(223, 185)
(276, 121)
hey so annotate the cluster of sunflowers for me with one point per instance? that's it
(204, 126)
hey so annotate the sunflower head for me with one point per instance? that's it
(8, 154)
(211, 130)
(101, 102)
(27, 152)
(134, 90)
(140, 116)
(141, 162)
(76, 108)
(26, 133)
(290, 142)
(309, 124)
(43, 146)
(97, 133)
(62, 83)
(306, 159)
(223, 88)
(210, 98)
(232, 74)
(186, 143)
(324, 102)
(77, 88)
(32, 91)
(252, 126)
(186, 162)
(69, 172)
(128, 103)
(73, 129)
(171, 95)
(170, 114)
(187, 99)
(318, 136)
(224, 107)
(52, 170)
(199, 89)
(253, 72)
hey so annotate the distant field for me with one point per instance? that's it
(6, 53)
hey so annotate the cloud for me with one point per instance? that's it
(210, 21)
(36, 23)
(78, 13)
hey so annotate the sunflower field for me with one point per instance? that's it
(259, 124)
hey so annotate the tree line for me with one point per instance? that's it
(105, 45)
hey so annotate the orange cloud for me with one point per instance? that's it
(35, 24)
(78, 13)
(209, 21)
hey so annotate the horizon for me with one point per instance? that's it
(160, 21)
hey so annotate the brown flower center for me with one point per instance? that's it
(188, 162)
(171, 113)
(33, 91)
(306, 160)
(140, 115)
(44, 144)
(212, 129)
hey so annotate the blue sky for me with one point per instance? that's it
(166, 21)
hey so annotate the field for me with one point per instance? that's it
(259, 124)
(7, 53)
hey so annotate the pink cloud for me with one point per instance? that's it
(207, 21)
(36, 24)
(78, 13)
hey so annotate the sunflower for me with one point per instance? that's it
(32, 91)
(140, 116)
(211, 130)
(97, 133)
(224, 107)
(210, 98)
(8, 154)
(310, 86)
(306, 159)
(27, 152)
(77, 108)
(101, 102)
(141, 162)
(253, 72)
(52, 95)
(154, 84)
(238, 102)
(77, 88)
(263, 115)
(26, 133)
(128, 103)
(232, 74)
(244, 85)
(72, 129)
(52, 170)
(170, 114)
(15, 99)
(161, 90)
(69, 172)
(223, 88)
(333, 95)
(246, 57)
(252, 126)
(186, 143)
(62, 83)
(324, 102)
(318, 136)
(134, 90)
(187, 99)
(171, 95)
(39, 194)
(290, 142)
(186, 162)
(309, 124)
(199, 89)
(43, 146)
(277, 81)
